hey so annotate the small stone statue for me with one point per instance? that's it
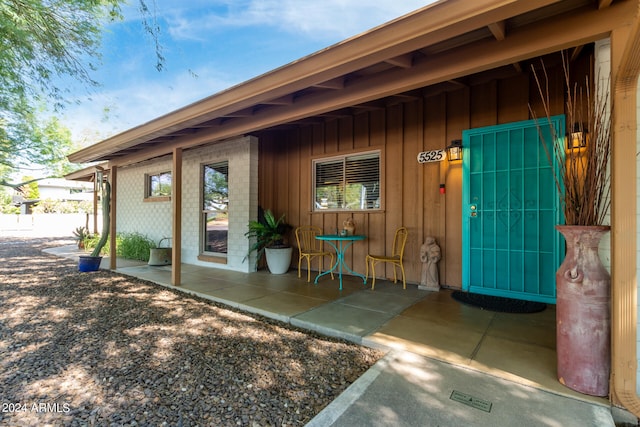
(430, 254)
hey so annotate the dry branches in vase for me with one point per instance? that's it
(582, 177)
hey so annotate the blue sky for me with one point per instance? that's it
(210, 45)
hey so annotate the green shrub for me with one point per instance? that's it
(128, 245)
(134, 246)
(92, 240)
(9, 209)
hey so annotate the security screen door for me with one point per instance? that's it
(510, 208)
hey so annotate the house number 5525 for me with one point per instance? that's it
(431, 156)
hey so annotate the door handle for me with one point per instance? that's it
(473, 211)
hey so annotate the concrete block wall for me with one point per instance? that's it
(242, 154)
(154, 218)
(603, 91)
(133, 213)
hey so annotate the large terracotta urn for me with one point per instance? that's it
(583, 314)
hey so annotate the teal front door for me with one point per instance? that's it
(510, 208)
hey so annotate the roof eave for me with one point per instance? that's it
(388, 40)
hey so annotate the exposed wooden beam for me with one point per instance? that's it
(307, 121)
(337, 114)
(247, 112)
(371, 106)
(625, 69)
(176, 201)
(283, 100)
(498, 29)
(448, 86)
(403, 61)
(207, 124)
(337, 83)
(113, 211)
(457, 83)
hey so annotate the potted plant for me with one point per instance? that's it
(80, 234)
(582, 282)
(269, 235)
(92, 262)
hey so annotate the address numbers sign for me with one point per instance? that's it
(431, 156)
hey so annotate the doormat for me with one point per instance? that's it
(499, 304)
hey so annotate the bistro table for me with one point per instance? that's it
(341, 245)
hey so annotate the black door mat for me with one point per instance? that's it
(499, 304)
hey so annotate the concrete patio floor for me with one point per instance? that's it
(516, 347)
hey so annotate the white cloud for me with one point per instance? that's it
(327, 19)
(134, 97)
(113, 111)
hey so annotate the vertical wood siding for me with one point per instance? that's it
(411, 191)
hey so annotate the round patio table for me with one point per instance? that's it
(341, 245)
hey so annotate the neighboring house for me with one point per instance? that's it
(56, 189)
(337, 134)
(65, 190)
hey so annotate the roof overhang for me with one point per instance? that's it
(432, 47)
(87, 174)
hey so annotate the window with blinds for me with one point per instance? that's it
(347, 182)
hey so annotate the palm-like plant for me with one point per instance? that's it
(80, 234)
(268, 233)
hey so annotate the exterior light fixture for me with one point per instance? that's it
(454, 150)
(577, 138)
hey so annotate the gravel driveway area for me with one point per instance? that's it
(106, 349)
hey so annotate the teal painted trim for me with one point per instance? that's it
(466, 212)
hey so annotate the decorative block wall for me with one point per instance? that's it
(133, 214)
(154, 218)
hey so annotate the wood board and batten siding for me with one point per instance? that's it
(410, 191)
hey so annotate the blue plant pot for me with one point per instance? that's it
(89, 263)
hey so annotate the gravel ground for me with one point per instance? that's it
(109, 350)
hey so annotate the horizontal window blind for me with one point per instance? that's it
(347, 182)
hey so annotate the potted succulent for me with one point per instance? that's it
(269, 235)
(92, 262)
(583, 285)
(80, 234)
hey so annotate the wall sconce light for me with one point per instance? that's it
(454, 150)
(577, 138)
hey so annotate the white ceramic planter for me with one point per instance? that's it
(278, 259)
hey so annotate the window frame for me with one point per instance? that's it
(205, 255)
(148, 195)
(344, 158)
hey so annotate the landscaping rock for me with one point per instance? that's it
(106, 349)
